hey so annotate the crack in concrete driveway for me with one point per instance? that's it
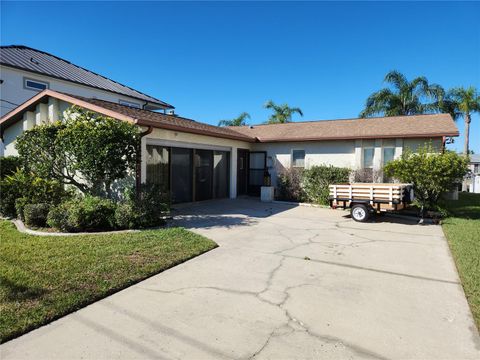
(286, 282)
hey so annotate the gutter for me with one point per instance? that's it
(138, 165)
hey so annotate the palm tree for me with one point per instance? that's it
(404, 97)
(281, 113)
(240, 120)
(462, 102)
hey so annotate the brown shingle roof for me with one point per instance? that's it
(171, 122)
(382, 127)
(125, 113)
(435, 125)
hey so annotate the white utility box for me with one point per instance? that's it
(267, 193)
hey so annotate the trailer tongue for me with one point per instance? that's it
(366, 199)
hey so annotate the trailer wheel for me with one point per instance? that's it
(359, 213)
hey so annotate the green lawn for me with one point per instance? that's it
(462, 230)
(45, 277)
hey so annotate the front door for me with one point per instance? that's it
(242, 172)
(257, 164)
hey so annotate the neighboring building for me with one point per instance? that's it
(208, 161)
(24, 72)
(473, 178)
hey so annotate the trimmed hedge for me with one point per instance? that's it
(317, 179)
(143, 209)
(89, 213)
(36, 214)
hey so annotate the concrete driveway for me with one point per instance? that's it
(286, 282)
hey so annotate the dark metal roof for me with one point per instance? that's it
(40, 62)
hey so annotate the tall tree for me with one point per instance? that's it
(281, 113)
(404, 97)
(86, 150)
(462, 102)
(240, 120)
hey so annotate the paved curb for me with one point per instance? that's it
(22, 228)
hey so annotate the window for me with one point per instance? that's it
(35, 84)
(128, 103)
(298, 158)
(476, 168)
(367, 158)
(388, 154)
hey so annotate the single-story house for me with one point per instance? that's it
(197, 161)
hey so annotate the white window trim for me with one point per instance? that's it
(304, 158)
(363, 156)
(25, 86)
(129, 103)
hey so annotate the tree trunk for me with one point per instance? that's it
(467, 133)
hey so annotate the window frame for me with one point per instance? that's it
(129, 104)
(292, 160)
(25, 86)
(383, 154)
(363, 156)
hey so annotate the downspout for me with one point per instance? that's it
(138, 167)
(444, 141)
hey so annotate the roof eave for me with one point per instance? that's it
(194, 131)
(72, 100)
(330, 138)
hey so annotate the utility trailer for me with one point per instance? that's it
(366, 199)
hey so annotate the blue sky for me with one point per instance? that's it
(215, 60)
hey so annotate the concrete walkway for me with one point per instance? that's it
(286, 283)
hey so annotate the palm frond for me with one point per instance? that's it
(396, 78)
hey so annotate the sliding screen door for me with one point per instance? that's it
(203, 174)
(220, 174)
(182, 173)
(158, 166)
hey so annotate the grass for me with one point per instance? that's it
(462, 230)
(43, 277)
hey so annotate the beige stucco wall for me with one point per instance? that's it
(181, 139)
(49, 112)
(341, 153)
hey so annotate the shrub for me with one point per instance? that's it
(317, 179)
(8, 195)
(9, 165)
(430, 173)
(86, 145)
(143, 208)
(289, 185)
(89, 213)
(58, 217)
(367, 175)
(22, 184)
(126, 216)
(36, 214)
(20, 206)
